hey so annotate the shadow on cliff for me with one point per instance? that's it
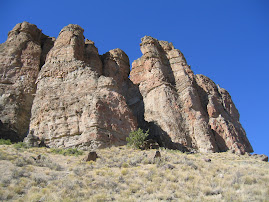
(162, 138)
(155, 131)
(7, 133)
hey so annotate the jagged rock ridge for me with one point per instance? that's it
(79, 98)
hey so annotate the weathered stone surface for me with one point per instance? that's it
(181, 110)
(77, 98)
(19, 67)
(75, 106)
(171, 101)
(223, 117)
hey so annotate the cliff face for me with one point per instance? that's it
(78, 98)
(186, 110)
(19, 67)
(75, 105)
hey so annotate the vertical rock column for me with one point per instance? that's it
(171, 102)
(194, 116)
(189, 109)
(19, 67)
(154, 76)
(75, 106)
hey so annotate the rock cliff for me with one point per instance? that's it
(75, 105)
(19, 67)
(63, 93)
(186, 110)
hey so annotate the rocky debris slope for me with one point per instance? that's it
(185, 110)
(62, 93)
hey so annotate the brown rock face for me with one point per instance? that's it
(67, 95)
(76, 106)
(19, 67)
(183, 109)
(223, 116)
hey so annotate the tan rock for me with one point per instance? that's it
(223, 117)
(75, 106)
(73, 97)
(166, 84)
(185, 110)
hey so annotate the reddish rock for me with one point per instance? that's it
(75, 106)
(19, 67)
(223, 117)
(170, 98)
(67, 95)
(185, 110)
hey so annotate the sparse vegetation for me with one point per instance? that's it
(67, 152)
(127, 174)
(136, 138)
(21, 145)
(5, 142)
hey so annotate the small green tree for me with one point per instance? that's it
(137, 138)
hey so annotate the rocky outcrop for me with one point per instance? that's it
(75, 105)
(19, 67)
(261, 157)
(186, 110)
(62, 93)
(223, 116)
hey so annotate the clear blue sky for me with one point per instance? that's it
(227, 41)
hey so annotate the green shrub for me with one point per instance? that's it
(67, 152)
(137, 138)
(6, 142)
(21, 145)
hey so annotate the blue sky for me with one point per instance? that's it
(228, 41)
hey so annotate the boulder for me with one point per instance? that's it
(150, 144)
(91, 156)
(157, 154)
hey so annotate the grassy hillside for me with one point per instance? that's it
(125, 174)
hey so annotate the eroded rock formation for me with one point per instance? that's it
(186, 110)
(75, 105)
(78, 98)
(19, 67)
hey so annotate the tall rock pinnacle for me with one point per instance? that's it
(75, 106)
(62, 93)
(186, 110)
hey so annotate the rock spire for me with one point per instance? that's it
(62, 93)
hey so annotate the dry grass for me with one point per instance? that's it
(125, 174)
